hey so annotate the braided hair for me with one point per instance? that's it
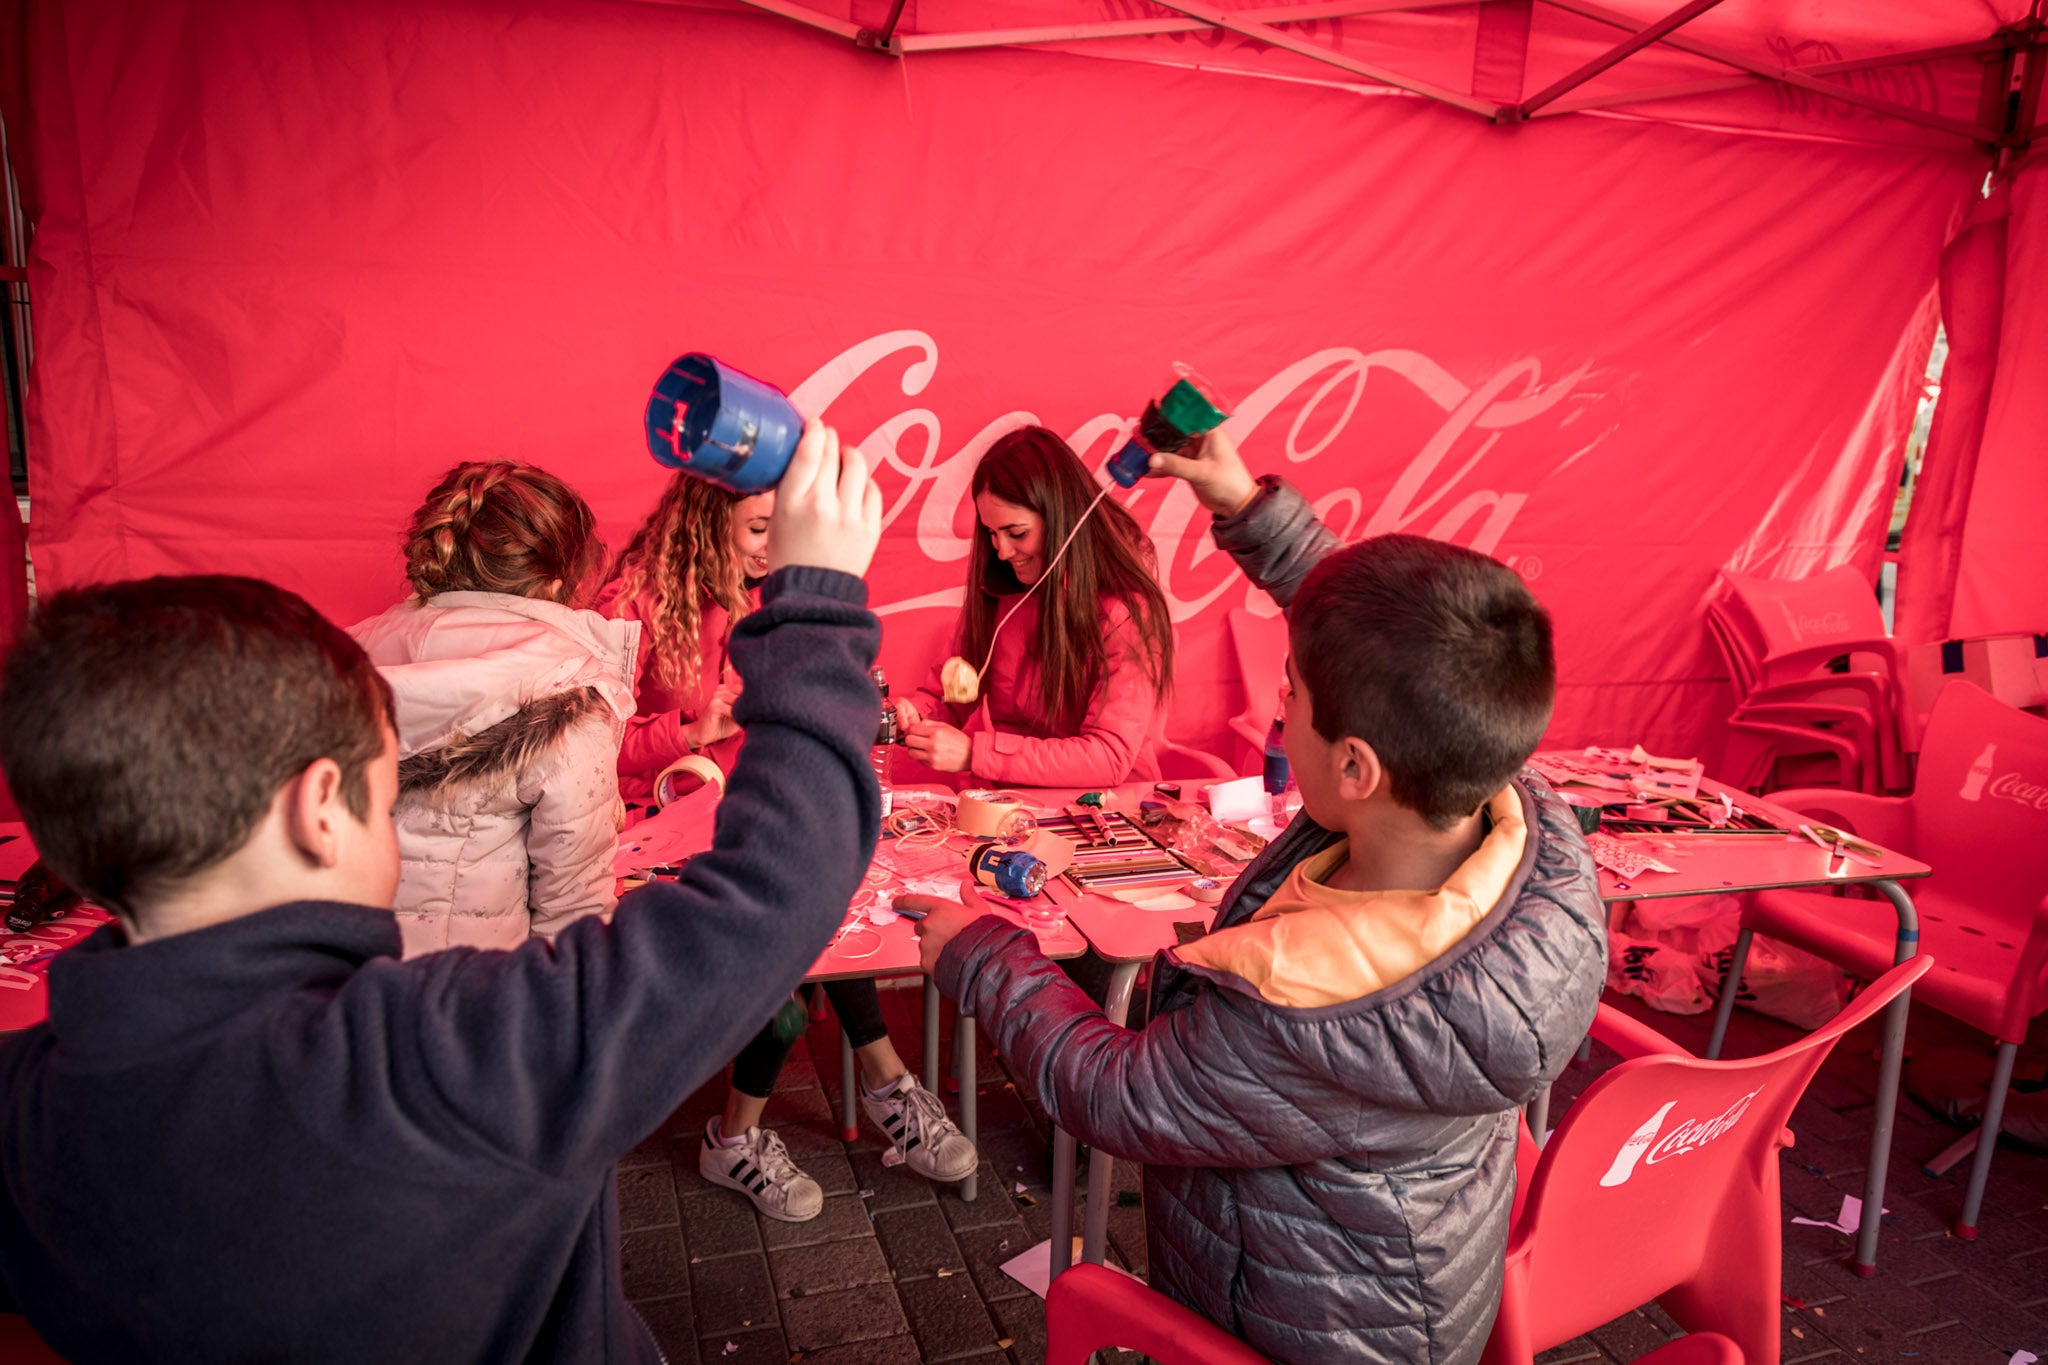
(503, 526)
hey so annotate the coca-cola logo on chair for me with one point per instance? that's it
(1646, 1147)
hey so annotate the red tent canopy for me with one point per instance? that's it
(1621, 294)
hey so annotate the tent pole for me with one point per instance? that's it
(1266, 33)
(1784, 75)
(1145, 28)
(809, 18)
(1618, 53)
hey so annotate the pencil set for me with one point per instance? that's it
(1110, 851)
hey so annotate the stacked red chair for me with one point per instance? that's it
(1978, 815)
(1783, 644)
(1662, 1183)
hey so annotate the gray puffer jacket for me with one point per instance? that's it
(1331, 1183)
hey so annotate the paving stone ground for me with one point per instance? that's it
(899, 1270)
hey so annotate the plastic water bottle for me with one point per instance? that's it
(886, 739)
(1276, 772)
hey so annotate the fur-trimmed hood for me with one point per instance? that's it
(485, 681)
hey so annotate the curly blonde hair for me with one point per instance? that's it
(684, 553)
(502, 526)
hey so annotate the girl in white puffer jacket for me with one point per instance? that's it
(511, 703)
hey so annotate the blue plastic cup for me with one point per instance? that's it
(710, 420)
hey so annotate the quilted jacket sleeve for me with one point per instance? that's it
(1195, 1087)
(574, 831)
(1276, 538)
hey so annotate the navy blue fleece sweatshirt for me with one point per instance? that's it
(273, 1140)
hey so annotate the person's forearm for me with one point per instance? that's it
(1276, 538)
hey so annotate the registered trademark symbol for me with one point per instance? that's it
(1529, 567)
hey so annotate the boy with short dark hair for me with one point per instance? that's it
(248, 1131)
(1325, 1096)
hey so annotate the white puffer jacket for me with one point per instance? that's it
(510, 712)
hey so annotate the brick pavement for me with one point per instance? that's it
(899, 1270)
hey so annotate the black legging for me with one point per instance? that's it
(859, 1007)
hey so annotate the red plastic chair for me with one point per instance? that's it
(1662, 1183)
(19, 1344)
(1805, 693)
(1260, 643)
(1979, 816)
(1786, 636)
(1092, 1308)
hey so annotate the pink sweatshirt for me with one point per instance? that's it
(1015, 742)
(654, 736)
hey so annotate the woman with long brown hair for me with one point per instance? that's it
(687, 576)
(1076, 676)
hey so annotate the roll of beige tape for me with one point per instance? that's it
(986, 814)
(958, 681)
(674, 779)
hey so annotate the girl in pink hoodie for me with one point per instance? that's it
(1073, 691)
(687, 577)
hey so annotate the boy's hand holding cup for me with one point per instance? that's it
(828, 512)
(1214, 470)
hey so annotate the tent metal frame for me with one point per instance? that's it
(1263, 24)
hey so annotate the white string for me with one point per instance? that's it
(987, 658)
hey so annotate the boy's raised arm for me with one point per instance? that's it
(1268, 527)
(562, 1059)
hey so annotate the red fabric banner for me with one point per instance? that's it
(2001, 584)
(293, 263)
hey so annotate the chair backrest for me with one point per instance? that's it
(1650, 1165)
(1260, 643)
(1833, 609)
(1980, 802)
(1092, 1307)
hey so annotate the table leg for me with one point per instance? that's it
(849, 1118)
(1538, 1115)
(963, 1050)
(1062, 1248)
(1731, 983)
(1095, 1228)
(1890, 1057)
(931, 1037)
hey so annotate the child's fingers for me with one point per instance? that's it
(853, 483)
(807, 461)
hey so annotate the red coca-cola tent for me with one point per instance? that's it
(1621, 294)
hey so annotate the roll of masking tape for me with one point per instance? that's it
(686, 775)
(989, 815)
(958, 682)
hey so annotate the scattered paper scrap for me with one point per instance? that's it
(730, 1347)
(2022, 1358)
(1850, 1219)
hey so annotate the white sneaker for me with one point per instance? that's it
(759, 1167)
(926, 1140)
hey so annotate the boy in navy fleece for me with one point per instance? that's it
(248, 1130)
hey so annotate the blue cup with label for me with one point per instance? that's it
(1007, 872)
(709, 419)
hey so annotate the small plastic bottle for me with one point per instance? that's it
(1277, 775)
(886, 739)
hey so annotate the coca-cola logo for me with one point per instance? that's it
(2015, 788)
(1694, 1134)
(1650, 1144)
(1430, 495)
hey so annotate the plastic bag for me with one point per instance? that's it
(1781, 981)
(1663, 976)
